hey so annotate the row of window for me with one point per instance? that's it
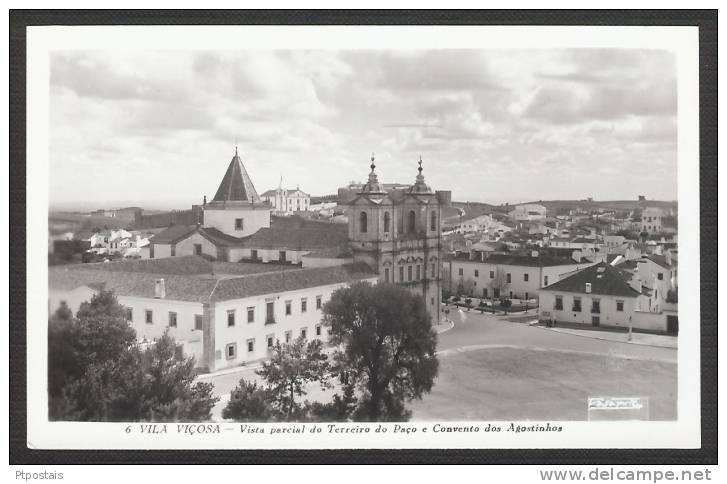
(231, 348)
(508, 276)
(577, 307)
(270, 311)
(413, 273)
(171, 318)
(410, 222)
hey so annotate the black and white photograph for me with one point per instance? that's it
(463, 240)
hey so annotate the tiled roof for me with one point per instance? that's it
(660, 260)
(136, 284)
(296, 233)
(201, 289)
(186, 265)
(258, 284)
(245, 268)
(236, 184)
(220, 238)
(173, 234)
(605, 280)
(521, 260)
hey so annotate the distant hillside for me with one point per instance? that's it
(604, 204)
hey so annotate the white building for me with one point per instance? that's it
(603, 295)
(504, 275)
(287, 201)
(528, 211)
(651, 219)
(224, 314)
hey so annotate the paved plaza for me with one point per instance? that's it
(494, 369)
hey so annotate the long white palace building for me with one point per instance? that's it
(229, 288)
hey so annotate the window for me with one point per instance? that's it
(387, 222)
(129, 312)
(270, 313)
(660, 276)
(319, 302)
(526, 277)
(303, 304)
(230, 318)
(251, 345)
(253, 254)
(434, 271)
(461, 271)
(281, 256)
(619, 305)
(596, 306)
(408, 273)
(270, 340)
(496, 293)
(197, 249)
(288, 308)
(577, 304)
(558, 303)
(484, 292)
(198, 322)
(433, 221)
(509, 278)
(172, 319)
(401, 273)
(545, 281)
(173, 250)
(477, 273)
(149, 317)
(492, 274)
(412, 222)
(363, 223)
(231, 351)
(304, 332)
(419, 272)
(251, 314)
(318, 329)
(238, 224)
(288, 336)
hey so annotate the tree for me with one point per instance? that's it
(291, 367)
(386, 345)
(499, 283)
(99, 372)
(249, 403)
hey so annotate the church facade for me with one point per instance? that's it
(397, 233)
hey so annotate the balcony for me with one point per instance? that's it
(596, 310)
(270, 320)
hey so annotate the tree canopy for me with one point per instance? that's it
(99, 372)
(386, 347)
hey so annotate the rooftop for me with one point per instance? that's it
(604, 279)
(198, 280)
(520, 260)
(236, 185)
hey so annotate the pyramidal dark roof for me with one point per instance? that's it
(604, 279)
(236, 185)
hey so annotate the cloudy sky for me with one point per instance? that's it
(158, 128)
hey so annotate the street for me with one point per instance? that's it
(491, 368)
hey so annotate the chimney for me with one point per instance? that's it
(204, 201)
(159, 289)
(588, 287)
(635, 282)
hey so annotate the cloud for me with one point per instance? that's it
(529, 119)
